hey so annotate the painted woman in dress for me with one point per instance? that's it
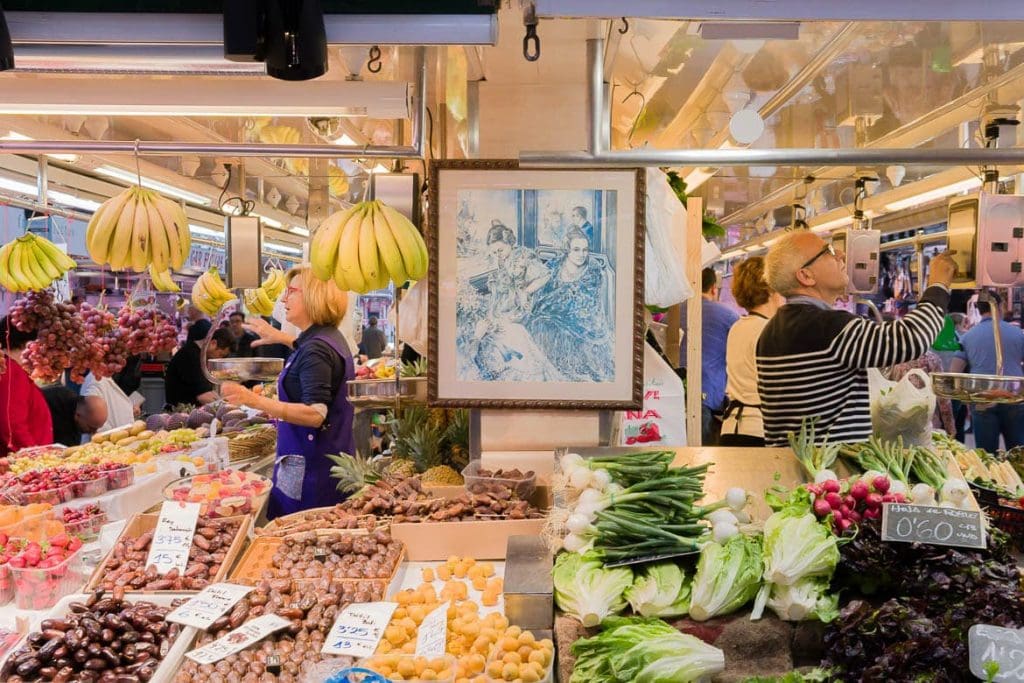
(570, 321)
(505, 350)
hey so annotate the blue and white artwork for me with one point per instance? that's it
(535, 297)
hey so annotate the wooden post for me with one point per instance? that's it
(673, 319)
(692, 337)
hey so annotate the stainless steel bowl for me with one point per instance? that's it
(978, 388)
(381, 392)
(245, 369)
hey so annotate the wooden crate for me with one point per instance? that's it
(143, 522)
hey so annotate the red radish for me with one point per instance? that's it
(830, 486)
(817, 490)
(900, 498)
(854, 516)
(843, 525)
(836, 516)
(849, 501)
(873, 513)
(859, 490)
(821, 508)
(890, 498)
(874, 500)
(881, 484)
(833, 499)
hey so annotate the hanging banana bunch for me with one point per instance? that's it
(139, 229)
(209, 293)
(366, 246)
(32, 262)
(162, 280)
(260, 300)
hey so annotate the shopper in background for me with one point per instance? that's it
(716, 321)
(374, 340)
(24, 415)
(73, 416)
(121, 412)
(743, 425)
(314, 415)
(990, 421)
(184, 381)
(243, 338)
(812, 360)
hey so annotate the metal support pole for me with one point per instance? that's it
(42, 181)
(595, 95)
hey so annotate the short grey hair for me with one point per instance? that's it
(782, 262)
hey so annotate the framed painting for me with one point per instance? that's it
(536, 286)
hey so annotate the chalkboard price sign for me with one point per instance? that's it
(905, 523)
(998, 648)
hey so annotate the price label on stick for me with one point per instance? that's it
(932, 525)
(432, 639)
(242, 637)
(996, 650)
(208, 606)
(172, 538)
(358, 629)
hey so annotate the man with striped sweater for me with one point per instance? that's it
(812, 360)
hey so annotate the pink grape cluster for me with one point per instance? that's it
(61, 339)
(147, 330)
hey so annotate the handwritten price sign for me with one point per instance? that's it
(242, 637)
(995, 646)
(358, 629)
(933, 525)
(172, 538)
(433, 633)
(206, 607)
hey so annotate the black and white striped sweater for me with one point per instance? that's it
(812, 361)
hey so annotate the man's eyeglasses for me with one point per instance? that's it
(827, 249)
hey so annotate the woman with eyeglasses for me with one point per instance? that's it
(812, 359)
(314, 417)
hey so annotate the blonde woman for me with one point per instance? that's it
(743, 425)
(314, 417)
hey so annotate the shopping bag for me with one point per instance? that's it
(662, 419)
(665, 281)
(902, 409)
(412, 317)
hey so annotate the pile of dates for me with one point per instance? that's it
(103, 640)
(126, 565)
(287, 655)
(343, 555)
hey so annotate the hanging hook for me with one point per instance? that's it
(374, 65)
(531, 42)
(138, 164)
(625, 27)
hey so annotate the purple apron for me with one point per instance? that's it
(318, 489)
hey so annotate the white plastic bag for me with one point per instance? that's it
(901, 408)
(665, 282)
(662, 420)
(412, 317)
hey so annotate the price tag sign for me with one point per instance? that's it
(933, 525)
(242, 637)
(432, 639)
(208, 606)
(172, 538)
(994, 646)
(358, 629)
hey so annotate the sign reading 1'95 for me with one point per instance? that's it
(932, 525)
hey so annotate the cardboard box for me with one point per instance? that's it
(144, 522)
(479, 539)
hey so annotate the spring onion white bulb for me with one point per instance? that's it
(577, 523)
(574, 543)
(742, 517)
(723, 515)
(600, 479)
(897, 486)
(586, 510)
(723, 532)
(736, 498)
(870, 476)
(580, 477)
(954, 490)
(922, 494)
(590, 496)
(825, 475)
(571, 461)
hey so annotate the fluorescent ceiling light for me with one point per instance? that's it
(283, 248)
(57, 197)
(839, 222)
(163, 188)
(205, 232)
(267, 221)
(295, 229)
(932, 195)
(14, 135)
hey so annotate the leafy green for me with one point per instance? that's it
(797, 546)
(660, 590)
(728, 576)
(643, 651)
(804, 600)
(813, 676)
(584, 589)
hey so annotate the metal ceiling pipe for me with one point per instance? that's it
(771, 157)
(597, 131)
(185, 59)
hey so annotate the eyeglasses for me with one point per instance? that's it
(291, 290)
(827, 249)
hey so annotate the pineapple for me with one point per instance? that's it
(436, 441)
(457, 436)
(400, 469)
(442, 475)
(354, 472)
(417, 368)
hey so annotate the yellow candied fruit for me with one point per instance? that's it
(460, 570)
(416, 612)
(529, 676)
(409, 648)
(494, 669)
(508, 644)
(547, 644)
(475, 663)
(539, 657)
(526, 638)
(488, 569)
(513, 631)
(444, 573)
(406, 668)
(512, 658)
(524, 652)
(489, 599)
(479, 582)
(510, 672)
(428, 575)
(453, 560)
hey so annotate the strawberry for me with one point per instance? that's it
(60, 541)
(74, 544)
(18, 562)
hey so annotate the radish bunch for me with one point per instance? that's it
(849, 501)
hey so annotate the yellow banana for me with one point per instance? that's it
(141, 250)
(175, 218)
(120, 255)
(169, 232)
(158, 245)
(216, 285)
(202, 298)
(22, 281)
(368, 258)
(348, 253)
(162, 280)
(410, 243)
(102, 226)
(6, 280)
(388, 249)
(50, 270)
(323, 251)
(37, 278)
(63, 262)
(264, 305)
(274, 284)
